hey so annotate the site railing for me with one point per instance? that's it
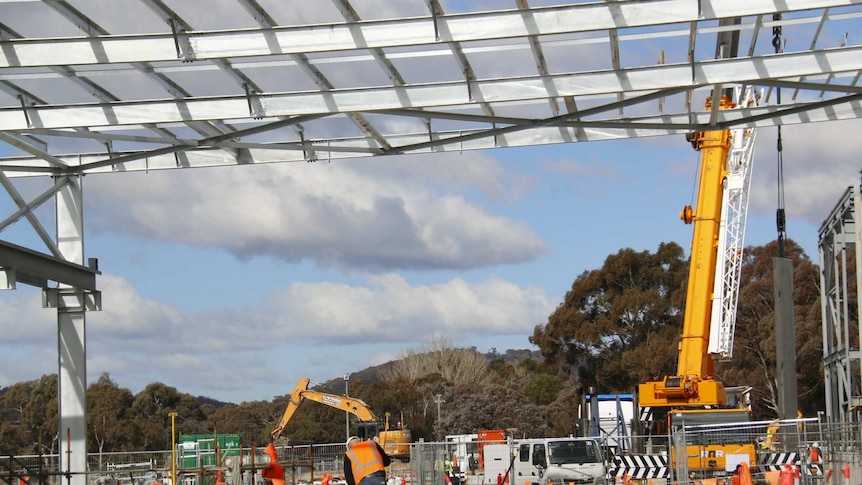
(643, 460)
(814, 451)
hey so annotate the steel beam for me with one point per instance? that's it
(389, 33)
(609, 82)
(30, 265)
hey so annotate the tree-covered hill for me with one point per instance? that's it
(619, 325)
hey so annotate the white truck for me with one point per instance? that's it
(545, 461)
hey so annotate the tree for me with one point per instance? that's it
(438, 356)
(612, 330)
(34, 404)
(754, 357)
(620, 325)
(151, 409)
(108, 424)
(543, 389)
(491, 407)
(398, 397)
(250, 419)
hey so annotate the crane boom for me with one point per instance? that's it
(732, 236)
(716, 259)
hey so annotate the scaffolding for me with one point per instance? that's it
(839, 278)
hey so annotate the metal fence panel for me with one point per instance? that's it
(821, 453)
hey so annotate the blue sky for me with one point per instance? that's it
(196, 307)
(234, 283)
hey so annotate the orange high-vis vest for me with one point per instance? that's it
(815, 455)
(273, 471)
(364, 460)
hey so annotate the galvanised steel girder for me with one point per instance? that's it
(839, 236)
(444, 141)
(448, 100)
(471, 101)
(241, 124)
(390, 33)
(434, 95)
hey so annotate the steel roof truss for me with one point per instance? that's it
(26, 210)
(206, 128)
(727, 71)
(585, 17)
(663, 125)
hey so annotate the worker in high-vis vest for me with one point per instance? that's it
(365, 462)
(273, 472)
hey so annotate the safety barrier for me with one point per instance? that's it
(817, 453)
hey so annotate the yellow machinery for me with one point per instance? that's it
(694, 383)
(693, 397)
(715, 441)
(396, 443)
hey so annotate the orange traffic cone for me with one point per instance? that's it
(787, 475)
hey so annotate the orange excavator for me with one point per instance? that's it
(396, 442)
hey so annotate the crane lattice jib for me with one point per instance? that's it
(732, 231)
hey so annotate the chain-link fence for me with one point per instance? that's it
(814, 452)
(799, 451)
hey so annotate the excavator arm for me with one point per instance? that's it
(301, 393)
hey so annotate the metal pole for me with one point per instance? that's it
(346, 414)
(439, 399)
(173, 449)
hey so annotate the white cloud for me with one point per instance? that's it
(392, 310)
(239, 352)
(336, 214)
(820, 162)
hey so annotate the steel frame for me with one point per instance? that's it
(616, 101)
(840, 239)
(259, 114)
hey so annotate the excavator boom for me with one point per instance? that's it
(396, 443)
(301, 392)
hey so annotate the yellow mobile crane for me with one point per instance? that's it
(396, 443)
(693, 396)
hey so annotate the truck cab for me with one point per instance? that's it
(559, 461)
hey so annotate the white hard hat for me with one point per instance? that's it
(815, 444)
(351, 439)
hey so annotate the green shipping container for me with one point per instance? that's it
(199, 450)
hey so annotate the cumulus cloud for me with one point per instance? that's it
(820, 162)
(335, 214)
(392, 310)
(139, 340)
